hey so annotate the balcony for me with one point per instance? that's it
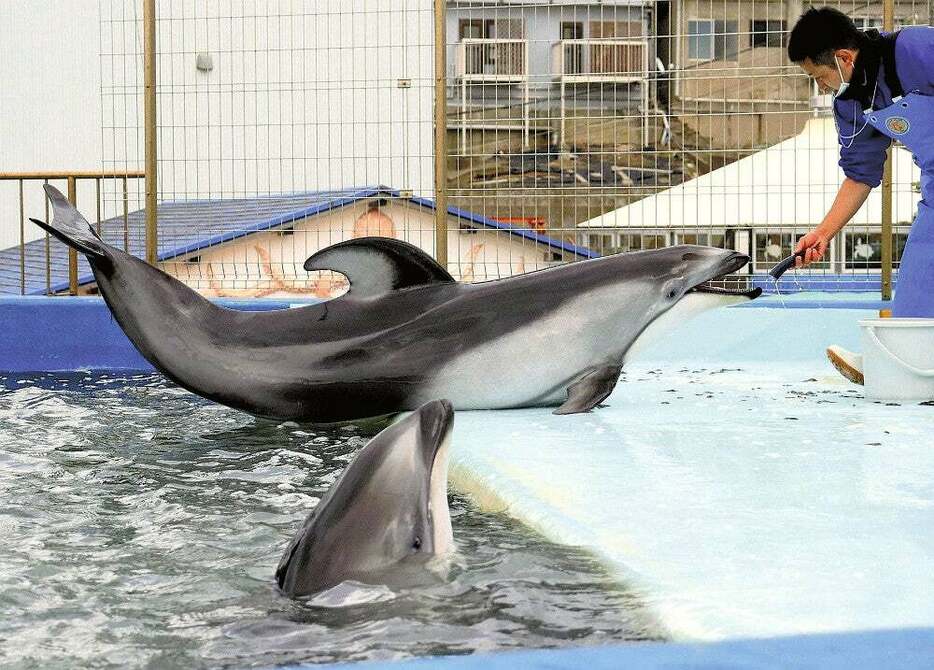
(601, 60)
(492, 60)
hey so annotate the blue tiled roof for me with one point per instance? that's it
(187, 226)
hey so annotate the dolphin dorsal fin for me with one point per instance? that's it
(377, 265)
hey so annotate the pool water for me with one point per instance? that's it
(142, 525)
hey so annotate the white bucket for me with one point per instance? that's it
(898, 359)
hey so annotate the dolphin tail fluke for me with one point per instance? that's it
(70, 227)
(590, 390)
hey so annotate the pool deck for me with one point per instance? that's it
(735, 480)
(767, 514)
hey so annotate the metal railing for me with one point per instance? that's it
(71, 178)
(493, 60)
(601, 60)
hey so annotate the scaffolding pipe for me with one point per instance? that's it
(888, 21)
(440, 148)
(151, 168)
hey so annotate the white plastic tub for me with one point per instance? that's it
(898, 359)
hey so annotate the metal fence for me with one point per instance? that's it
(566, 130)
(667, 123)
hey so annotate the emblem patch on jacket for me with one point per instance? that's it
(897, 125)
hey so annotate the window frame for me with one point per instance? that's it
(729, 30)
(872, 267)
(768, 33)
(689, 34)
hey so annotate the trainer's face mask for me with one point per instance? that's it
(843, 84)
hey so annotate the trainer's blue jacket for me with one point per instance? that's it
(864, 159)
(893, 78)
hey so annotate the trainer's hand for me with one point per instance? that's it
(814, 246)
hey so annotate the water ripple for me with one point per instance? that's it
(142, 526)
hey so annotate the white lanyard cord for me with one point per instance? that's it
(852, 138)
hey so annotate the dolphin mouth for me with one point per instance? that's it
(442, 532)
(719, 285)
(708, 287)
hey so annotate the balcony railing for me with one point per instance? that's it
(604, 59)
(492, 60)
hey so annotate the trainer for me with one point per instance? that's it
(883, 88)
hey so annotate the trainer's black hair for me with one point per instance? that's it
(819, 33)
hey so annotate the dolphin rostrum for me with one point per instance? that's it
(405, 332)
(388, 510)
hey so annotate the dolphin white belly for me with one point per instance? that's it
(534, 365)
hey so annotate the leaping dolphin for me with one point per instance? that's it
(405, 332)
(388, 509)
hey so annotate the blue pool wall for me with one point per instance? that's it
(43, 334)
(904, 649)
(55, 334)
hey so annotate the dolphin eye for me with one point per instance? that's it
(417, 544)
(671, 294)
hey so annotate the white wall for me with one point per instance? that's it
(49, 99)
(303, 96)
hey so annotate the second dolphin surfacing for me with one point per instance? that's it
(389, 509)
(405, 332)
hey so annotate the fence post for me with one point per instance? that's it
(441, 129)
(72, 254)
(48, 251)
(22, 241)
(149, 65)
(888, 20)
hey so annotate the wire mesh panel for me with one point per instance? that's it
(286, 116)
(630, 126)
(573, 129)
(548, 108)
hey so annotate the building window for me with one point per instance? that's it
(572, 30)
(602, 243)
(615, 29)
(712, 40)
(705, 239)
(573, 53)
(504, 29)
(767, 33)
(641, 241)
(475, 28)
(864, 249)
(614, 243)
(773, 247)
(864, 23)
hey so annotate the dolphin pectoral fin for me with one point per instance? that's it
(69, 226)
(377, 265)
(590, 390)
